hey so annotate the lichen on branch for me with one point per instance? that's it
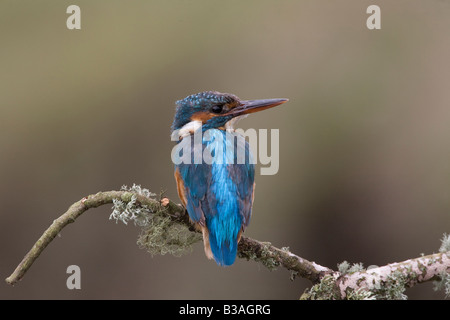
(166, 228)
(160, 233)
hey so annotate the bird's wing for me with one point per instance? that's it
(243, 176)
(194, 188)
(192, 184)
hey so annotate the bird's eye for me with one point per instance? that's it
(217, 108)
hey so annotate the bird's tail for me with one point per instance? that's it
(224, 252)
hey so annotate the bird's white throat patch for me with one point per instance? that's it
(230, 124)
(190, 127)
(186, 130)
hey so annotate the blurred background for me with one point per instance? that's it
(364, 170)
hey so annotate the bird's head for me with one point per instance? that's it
(212, 109)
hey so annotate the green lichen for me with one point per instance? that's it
(326, 289)
(159, 233)
(392, 288)
(164, 236)
(359, 294)
(126, 211)
(445, 243)
(443, 283)
(264, 256)
(345, 267)
(293, 275)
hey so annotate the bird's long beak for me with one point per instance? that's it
(251, 106)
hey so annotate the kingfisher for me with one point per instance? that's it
(218, 195)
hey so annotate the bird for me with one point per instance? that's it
(218, 196)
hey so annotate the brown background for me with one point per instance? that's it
(364, 141)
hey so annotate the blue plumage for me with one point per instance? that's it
(219, 194)
(218, 191)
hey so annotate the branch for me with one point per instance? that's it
(380, 282)
(248, 248)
